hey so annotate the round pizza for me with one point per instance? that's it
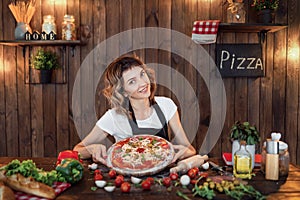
(140, 155)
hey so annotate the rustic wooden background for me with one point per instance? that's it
(37, 120)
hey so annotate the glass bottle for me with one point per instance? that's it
(242, 162)
(68, 28)
(49, 24)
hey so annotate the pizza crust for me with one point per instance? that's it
(136, 156)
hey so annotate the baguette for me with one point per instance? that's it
(6, 193)
(29, 185)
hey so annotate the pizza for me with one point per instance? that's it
(140, 155)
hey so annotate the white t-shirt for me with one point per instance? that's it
(118, 126)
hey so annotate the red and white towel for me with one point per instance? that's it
(205, 31)
(58, 186)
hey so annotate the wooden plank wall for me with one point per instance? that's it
(37, 120)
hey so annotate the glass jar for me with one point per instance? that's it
(68, 28)
(49, 24)
(284, 159)
(236, 13)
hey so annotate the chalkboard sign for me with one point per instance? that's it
(240, 60)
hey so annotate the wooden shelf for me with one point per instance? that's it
(40, 42)
(250, 28)
(31, 76)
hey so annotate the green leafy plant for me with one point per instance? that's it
(265, 4)
(245, 131)
(45, 60)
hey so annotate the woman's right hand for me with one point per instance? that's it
(98, 153)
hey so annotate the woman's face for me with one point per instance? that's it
(136, 83)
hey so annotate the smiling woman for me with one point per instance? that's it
(130, 88)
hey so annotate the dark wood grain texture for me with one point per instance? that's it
(35, 117)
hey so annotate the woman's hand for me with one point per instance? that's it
(180, 151)
(183, 152)
(98, 153)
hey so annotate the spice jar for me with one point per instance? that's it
(49, 24)
(284, 159)
(68, 28)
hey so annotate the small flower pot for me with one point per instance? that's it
(45, 76)
(265, 16)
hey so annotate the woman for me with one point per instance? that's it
(130, 87)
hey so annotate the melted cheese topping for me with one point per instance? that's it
(139, 150)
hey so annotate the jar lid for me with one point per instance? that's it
(48, 17)
(283, 146)
(69, 18)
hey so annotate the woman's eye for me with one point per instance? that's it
(143, 73)
(131, 82)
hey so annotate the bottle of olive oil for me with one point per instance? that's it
(242, 162)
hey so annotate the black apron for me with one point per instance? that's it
(163, 132)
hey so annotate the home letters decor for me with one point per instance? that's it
(240, 60)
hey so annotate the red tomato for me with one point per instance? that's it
(192, 173)
(204, 174)
(196, 169)
(97, 171)
(165, 146)
(167, 181)
(125, 187)
(120, 177)
(193, 181)
(146, 184)
(150, 179)
(140, 150)
(119, 180)
(97, 177)
(112, 173)
(173, 176)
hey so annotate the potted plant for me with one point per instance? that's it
(45, 61)
(265, 10)
(246, 132)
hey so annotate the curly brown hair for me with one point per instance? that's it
(114, 91)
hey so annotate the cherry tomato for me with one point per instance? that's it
(192, 173)
(97, 171)
(125, 187)
(196, 169)
(204, 174)
(173, 176)
(119, 180)
(150, 179)
(146, 184)
(112, 174)
(194, 181)
(167, 181)
(98, 177)
(120, 177)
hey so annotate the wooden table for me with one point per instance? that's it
(285, 188)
